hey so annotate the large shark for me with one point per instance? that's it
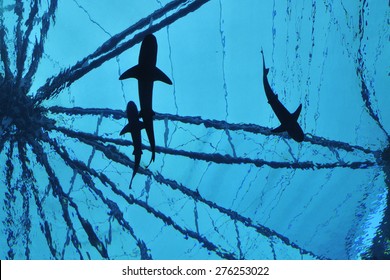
(134, 127)
(146, 73)
(288, 121)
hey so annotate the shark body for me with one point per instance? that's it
(134, 127)
(288, 121)
(147, 73)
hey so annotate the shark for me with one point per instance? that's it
(288, 121)
(134, 127)
(147, 73)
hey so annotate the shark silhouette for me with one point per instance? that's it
(288, 121)
(134, 127)
(146, 73)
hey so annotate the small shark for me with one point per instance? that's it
(134, 127)
(146, 73)
(288, 121)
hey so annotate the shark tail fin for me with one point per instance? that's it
(151, 159)
(280, 128)
(131, 182)
(266, 70)
(137, 160)
(135, 170)
(125, 129)
(133, 72)
(160, 76)
(297, 112)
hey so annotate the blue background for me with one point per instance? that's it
(213, 191)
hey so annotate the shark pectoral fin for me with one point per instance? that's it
(297, 112)
(125, 129)
(160, 76)
(133, 72)
(280, 128)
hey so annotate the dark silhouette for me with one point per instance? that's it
(134, 127)
(146, 73)
(288, 121)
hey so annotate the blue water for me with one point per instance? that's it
(223, 185)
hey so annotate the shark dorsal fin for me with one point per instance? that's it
(160, 76)
(297, 112)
